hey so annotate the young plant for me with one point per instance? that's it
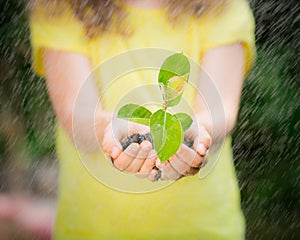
(167, 129)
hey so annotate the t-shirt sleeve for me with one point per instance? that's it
(232, 25)
(59, 32)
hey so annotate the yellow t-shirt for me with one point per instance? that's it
(97, 201)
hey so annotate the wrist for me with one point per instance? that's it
(205, 122)
(218, 128)
(102, 119)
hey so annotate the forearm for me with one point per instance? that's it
(220, 88)
(84, 122)
(218, 121)
(75, 98)
(86, 128)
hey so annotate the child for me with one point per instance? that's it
(96, 200)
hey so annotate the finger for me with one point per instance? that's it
(203, 140)
(126, 157)
(111, 144)
(189, 156)
(179, 165)
(138, 161)
(149, 163)
(168, 172)
(158, 163)
(200, 149)
(154, 175)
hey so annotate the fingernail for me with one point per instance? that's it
(145, 146)
(201, 149)
(115, 152)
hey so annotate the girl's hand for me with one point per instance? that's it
(187, 161)
(137, 158)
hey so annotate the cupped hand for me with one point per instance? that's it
(187, 161)
(137, 158)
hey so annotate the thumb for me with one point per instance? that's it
(202, 142)
(111, 144)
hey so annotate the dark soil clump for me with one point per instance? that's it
(136, 138)
(139, 138)
(188, 142)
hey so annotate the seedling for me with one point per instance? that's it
(167, 129)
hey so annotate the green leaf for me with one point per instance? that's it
(175, 65)
(174, 89)
(174, 101)
(167, 134)
(185, 120)
(173, 77)
(135, 113)
(175, 86)
(170, 102)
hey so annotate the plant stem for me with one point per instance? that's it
(165, 105)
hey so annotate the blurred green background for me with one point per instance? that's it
(266, 139)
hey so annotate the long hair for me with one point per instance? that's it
(104, 15)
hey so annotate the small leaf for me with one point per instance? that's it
(167, 134)
(170, 102)
(176, 86)
(175, 65)
(185, 120)
(135, 113)
(174, 90)
(174, 101)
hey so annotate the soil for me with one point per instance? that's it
(139, 138)
(136, 138)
